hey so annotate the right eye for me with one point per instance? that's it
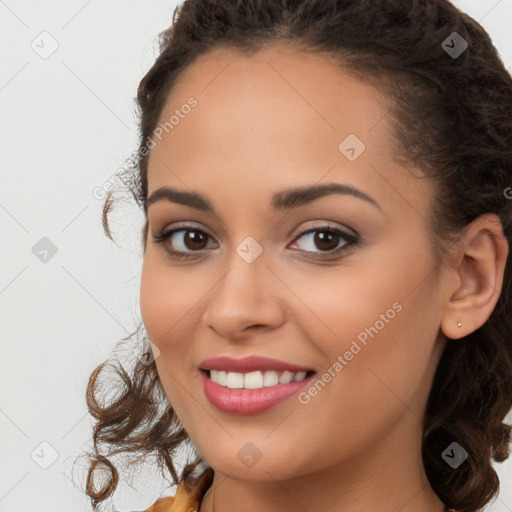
(191, 240)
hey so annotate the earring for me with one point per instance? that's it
(459, 324)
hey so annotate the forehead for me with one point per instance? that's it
(279, 86)
(281, 115)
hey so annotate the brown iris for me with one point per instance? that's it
(193, 239)
(326, 237)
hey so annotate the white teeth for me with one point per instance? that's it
(235, 380)
(254, 380)
(299, 376)
(286, 377)
(219, 376)
(222, 377)
(270, 379)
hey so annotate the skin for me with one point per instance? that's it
(265, 123)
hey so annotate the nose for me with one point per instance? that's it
(247, 298)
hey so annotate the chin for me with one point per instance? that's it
(266, 469)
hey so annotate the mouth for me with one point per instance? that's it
(251, 392)
(256, 379)
(251, 384)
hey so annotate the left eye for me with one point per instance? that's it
(192, 238)
(327, 239)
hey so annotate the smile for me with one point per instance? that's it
(256, 379)
(230, 392)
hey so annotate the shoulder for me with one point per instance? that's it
(189, 494)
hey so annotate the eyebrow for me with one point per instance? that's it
(284, 200)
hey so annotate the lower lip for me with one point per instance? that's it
(249, 401)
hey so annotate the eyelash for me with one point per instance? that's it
(351, 241)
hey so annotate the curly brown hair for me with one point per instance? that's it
(452, 117)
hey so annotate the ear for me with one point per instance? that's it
(480, 261)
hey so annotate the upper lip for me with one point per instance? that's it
(249, 364)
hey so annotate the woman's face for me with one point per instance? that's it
(365, 318)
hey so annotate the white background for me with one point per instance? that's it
(68, 123)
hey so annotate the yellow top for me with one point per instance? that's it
(188, 497)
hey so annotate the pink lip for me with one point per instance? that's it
(249, 401)
(249, 364)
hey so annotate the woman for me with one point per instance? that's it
(325, 281)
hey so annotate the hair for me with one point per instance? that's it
(450, 117)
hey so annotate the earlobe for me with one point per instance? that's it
(482, 255)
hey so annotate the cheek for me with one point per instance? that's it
(157, 306)
(167, 301)
(167, 298)
(381, 319)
